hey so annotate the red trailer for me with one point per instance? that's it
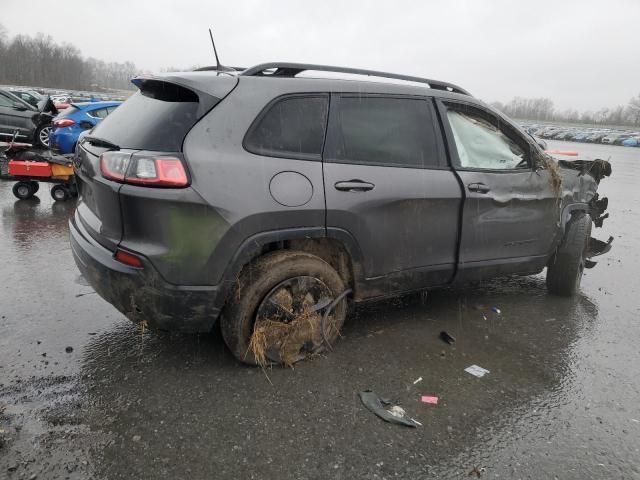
(29, 168)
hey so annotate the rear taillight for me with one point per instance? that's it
(161, 171)
(129, 259)
(151, 170)
(113, 165)
(65, 122)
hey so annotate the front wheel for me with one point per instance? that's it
(276, 312)
(23, 190)
(564, 273)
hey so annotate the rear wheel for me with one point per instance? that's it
(35, 186)
(23, 190)
(276, 312)
(59, 193)
(564, 273)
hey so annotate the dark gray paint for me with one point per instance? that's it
(408, 220)
(291, 189)
(98, 201)
(407, 229)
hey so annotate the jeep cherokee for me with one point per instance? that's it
(264, 198)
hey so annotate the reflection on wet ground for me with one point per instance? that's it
(560, 399)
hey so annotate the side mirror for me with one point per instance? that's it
(20, 108)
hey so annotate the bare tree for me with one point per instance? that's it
(40, 61)
(634, 110)
(542, 109)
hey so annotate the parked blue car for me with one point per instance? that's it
(75, 119)
(631, 142)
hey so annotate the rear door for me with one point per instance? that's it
(387, 185)
(510, 211)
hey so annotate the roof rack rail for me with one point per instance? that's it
(293, 69)
(223, 69)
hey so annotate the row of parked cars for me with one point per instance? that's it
(61, 99)
(627, 138)
(49, 122)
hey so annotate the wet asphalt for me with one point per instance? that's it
(561, 399)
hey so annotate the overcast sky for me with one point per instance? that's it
(582, 54)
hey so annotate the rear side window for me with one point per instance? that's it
(98, 113)
(158, 117)
(385, 131)
(291, 127)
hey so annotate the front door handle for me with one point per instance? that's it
(478, 188)
(354, 186)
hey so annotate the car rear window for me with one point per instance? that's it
(158, 117)
(290, 127)
(386, 131)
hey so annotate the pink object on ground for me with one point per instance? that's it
(428, 399)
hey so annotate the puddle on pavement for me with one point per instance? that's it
(559, 399)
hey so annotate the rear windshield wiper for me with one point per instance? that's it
(100, 142)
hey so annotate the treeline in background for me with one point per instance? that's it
(39, 61)
(542, 109)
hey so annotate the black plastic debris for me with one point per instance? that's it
(598, 247)
(445, 337)
(392, 414)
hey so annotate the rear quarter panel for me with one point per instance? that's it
(235, 184)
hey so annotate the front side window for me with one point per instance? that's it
(481, 144)
(386, 131)
(5, 101)
(292, 127)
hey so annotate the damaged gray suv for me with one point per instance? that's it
(267, 199)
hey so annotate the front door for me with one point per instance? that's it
(15, 115)
(387, 185)
(510, 212)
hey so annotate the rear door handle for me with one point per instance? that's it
(354, 186)
(478, 188)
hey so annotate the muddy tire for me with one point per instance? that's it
(257, 280)
(564, 272)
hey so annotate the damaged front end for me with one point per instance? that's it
(582, 187)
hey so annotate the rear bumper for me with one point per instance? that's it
(141, 294)
(63, 142)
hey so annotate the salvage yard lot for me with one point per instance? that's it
(560, 398)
